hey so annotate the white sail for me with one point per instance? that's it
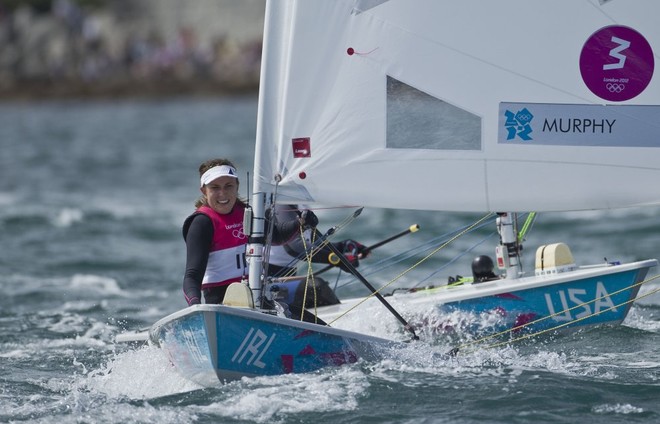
(461, 105)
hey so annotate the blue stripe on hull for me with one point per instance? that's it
(585, 302)
(265, 348)
(207, 344)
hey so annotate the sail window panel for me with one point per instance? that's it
(416, 120)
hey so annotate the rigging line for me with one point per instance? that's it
(386, 263)
(316, 247)
(288, 269)
(581, 305)
(377, 291)
(482, 241)
(326, 240)
(463, 254)
(269, 236)
(529, 222)
(310, 275)
(309, 253)
(426, 246)
(371, 288)
(334, 288)
(370, 248)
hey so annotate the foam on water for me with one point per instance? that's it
(67, 217)
(108, 393)
(98, 285)
(649, 294)
(431, 324)
(62, 347)
(102, 285)
(559, 354)
(148, 370)
(89, 286)
(622, 409)
(272, 399)
(644, 318)
(144, 374)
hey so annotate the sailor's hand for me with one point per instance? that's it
(353, 248)
(308, 219)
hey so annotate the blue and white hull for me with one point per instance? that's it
(573, 299)
(209, 344)
(213, 343)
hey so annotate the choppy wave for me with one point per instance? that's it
(83, 284)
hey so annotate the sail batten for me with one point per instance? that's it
(427, 105)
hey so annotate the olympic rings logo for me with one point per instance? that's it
(238, 234)
(524, 117)
(615, 88)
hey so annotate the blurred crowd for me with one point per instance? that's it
(68, 48)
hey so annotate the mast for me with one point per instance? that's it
(255, 248)
(274, 45)
(257, 220)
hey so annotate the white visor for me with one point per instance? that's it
(216, 172)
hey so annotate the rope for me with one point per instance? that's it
(387, 263)
(310, 276)
(526, 226)
(414, 266)
(316, 247)
(310, 252)
(538, 333)
(269, 237)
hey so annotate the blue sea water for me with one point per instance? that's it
(92, 198)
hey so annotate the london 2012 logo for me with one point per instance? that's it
(518, 124)
(616, 63)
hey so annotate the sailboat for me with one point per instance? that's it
(497, 106)
(444, 105)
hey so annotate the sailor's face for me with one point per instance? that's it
(221, 194)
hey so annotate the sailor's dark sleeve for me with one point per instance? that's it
(287, 233)
(283, 230)
(198, 234)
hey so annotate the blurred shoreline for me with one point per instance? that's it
(52, 90)
(129, 48)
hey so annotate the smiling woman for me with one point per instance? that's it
(219, 185)
(214, 235)
(215, 241)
